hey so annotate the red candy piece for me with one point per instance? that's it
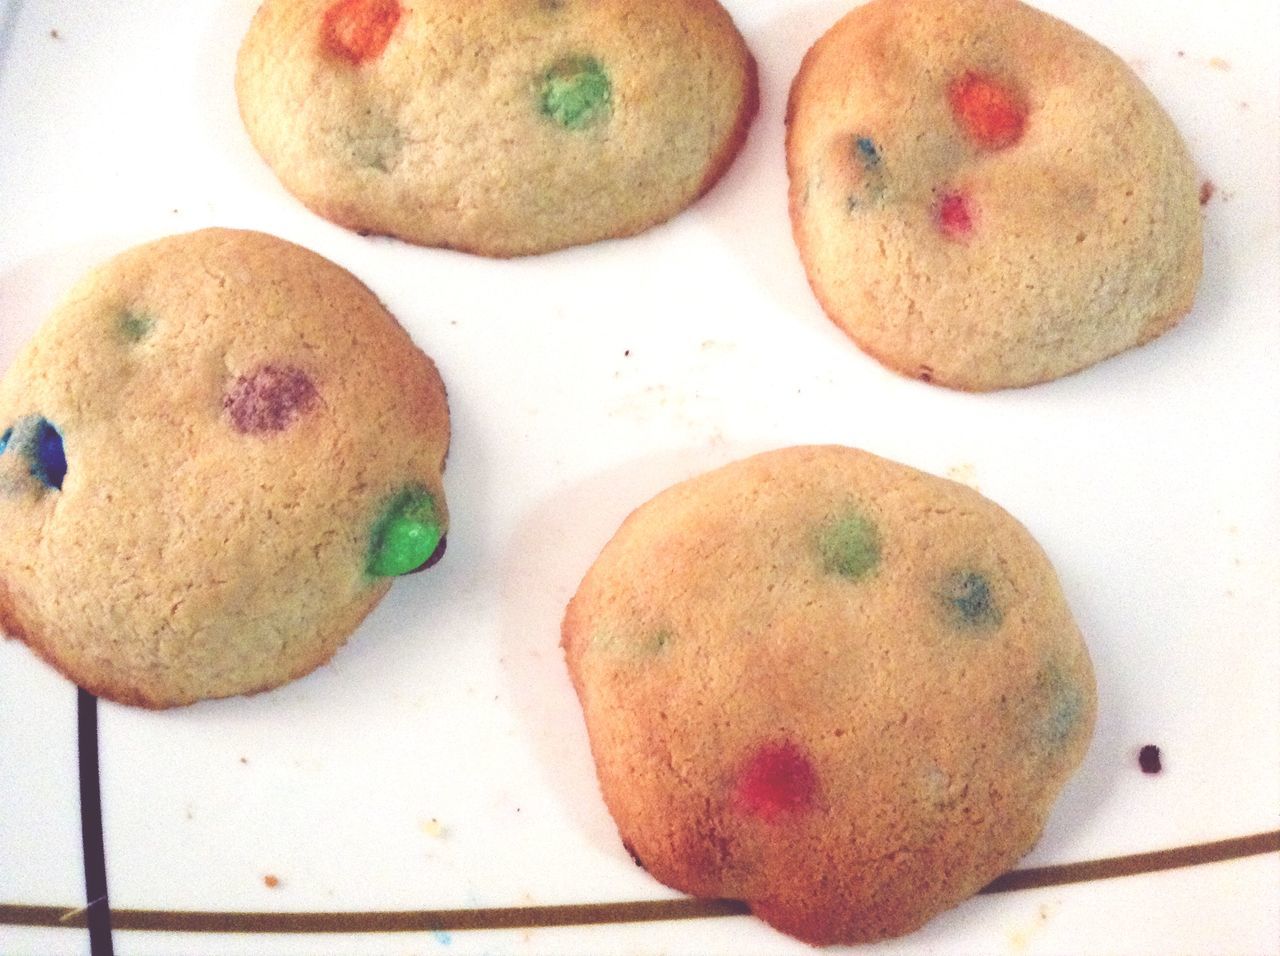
(954, 216)
(779, 779)
(988, 111)
(358, 30)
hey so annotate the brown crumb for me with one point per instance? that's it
(271, 881)
(55, 34)
(1149, 759)
(244, 759)
(1182, 53)
(1207, 189)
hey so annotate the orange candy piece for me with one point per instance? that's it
(358, 30)
(990, 113)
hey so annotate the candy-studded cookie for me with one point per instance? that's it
(830, 685)
(985, 197)
(214, 458)
(501, 127)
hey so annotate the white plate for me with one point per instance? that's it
(440, 761)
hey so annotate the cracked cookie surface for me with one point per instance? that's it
(215, 454)
(838, 688)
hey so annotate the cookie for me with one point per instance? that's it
(983, 196)
(499, 127)
(838, 688)
(214, 457)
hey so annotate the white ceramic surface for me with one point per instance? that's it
(440, 760)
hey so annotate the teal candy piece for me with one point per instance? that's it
(135, 326)
(968, 594)
(406, 536)
(576, 92)
(866, 149)
(1066, 706)
(4, 439)
(867, 155)
(850, 546)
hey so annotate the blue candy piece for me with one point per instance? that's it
(48, 457)
(4, 439)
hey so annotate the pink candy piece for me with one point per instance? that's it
(954, 215)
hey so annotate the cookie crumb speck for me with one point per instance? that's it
(432, 827)
(271, 881)
(966, 473)
(1218, 63)
(1149, 759)
(54, 34)
(1207, 189)
(244, 759)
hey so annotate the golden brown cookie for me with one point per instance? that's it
(838, 688)
(983, 196)
(213, 458)
(501, 127)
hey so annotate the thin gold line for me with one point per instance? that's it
(590, 914)
(1234, 849)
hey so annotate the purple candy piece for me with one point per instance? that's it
(270, 399)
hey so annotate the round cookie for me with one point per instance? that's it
(983, 196)
(213, 456)
(500, 127)
(838, 688)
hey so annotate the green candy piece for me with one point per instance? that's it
(135, 326)
(850, 547)
(576, 92)
(406, 536)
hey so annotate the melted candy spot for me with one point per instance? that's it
(1066, 707)
(778, 780)
(954, 215)
(359, 30)
(657, 642)
(134, 326)
(865, 148)
(850, 547)
(407, 535)
(869, 172)
(576, 92)
(269, 400)
(968, 594)
(988, 111)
